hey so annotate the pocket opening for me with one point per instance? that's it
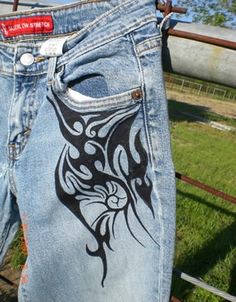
(80, 102)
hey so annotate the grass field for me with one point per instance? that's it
(206, 225)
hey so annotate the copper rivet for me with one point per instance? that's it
(136, 94)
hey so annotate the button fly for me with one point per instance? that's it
(27, 59)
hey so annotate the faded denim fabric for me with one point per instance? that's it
(85, 157)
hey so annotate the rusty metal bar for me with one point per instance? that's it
(8, 281)
(202, 38)
(206, 188)
(15, 5)
(167, 8)
(175, 9)
(23, 3)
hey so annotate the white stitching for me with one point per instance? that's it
(101, 42)
(144, 102)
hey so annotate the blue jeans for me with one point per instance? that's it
(85, 157)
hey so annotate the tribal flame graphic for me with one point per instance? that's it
(102, 168)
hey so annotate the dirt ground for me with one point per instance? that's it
(8, 293)
(220, 107)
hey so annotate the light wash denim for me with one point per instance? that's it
(85, 157)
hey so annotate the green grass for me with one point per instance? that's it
(206, 227)
(17, 256)
(177, 110)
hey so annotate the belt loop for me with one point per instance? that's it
(51, 70)
(165, 23)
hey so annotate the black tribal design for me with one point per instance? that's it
(103, 168)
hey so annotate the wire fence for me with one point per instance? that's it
(183, 85)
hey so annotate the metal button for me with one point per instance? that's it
(27, 59)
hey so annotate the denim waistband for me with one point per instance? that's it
(71, 18)
(87, 23)
(66, 18)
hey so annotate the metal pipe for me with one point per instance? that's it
(15, 5)
(202, 38)
(8, 281)
(205, 187)
(21, 3)
(175, 9)
(205, 286)
(200, 51)
(167, 8)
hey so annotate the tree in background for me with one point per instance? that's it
(213, 12)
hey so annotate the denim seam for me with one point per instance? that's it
(12, 101)
(148, 44)
(35, 38)
(146, 50)
(3, 48)
(145, 119)
(24, 291)
(120, 99)
(155, 37)
(6, 73)
(29, 124)
(51, 70)
(123, 104)
(11, 179)
(32, 107)
(101, 42)
(50, 9)
(26, 119)
(153, 166)
(11, 153)
(162, 235)
(26, 137)
(97, 20)
(23, 143)
(29, 73)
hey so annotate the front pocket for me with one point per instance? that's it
(103, 173)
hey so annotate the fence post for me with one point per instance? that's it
(199, 90)
(224, 95)
(181, 89)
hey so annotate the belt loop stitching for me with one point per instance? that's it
(51, 70)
